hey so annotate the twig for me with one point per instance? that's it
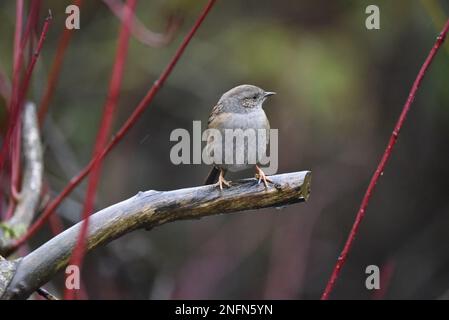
(381, 166)
(31, 22)
(55, 70)
(17, 55)
(141, 107)
(47, 295)
(102, 136)
(12, 136)
(148, 210)
(386, 275)
(13, 132)
(138, 29)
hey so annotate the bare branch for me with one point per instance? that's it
(150, 209)
(28, 202)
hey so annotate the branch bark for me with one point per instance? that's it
(26, 207)
(147, 210)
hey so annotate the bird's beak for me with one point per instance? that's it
(268, 93)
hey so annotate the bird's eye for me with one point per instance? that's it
(255, 97)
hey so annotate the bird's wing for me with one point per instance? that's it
(216, 110)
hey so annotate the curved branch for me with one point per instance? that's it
(28, 202)
(150, 209)
(138, 29)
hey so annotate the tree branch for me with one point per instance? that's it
(28, 202)
(147, 210)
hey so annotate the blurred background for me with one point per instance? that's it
(340, 90)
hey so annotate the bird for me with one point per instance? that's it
(238, 108)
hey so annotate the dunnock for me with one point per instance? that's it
(239, 108)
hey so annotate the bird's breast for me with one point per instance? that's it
(256, 120)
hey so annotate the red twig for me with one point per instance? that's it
(102, 136)
(55, 70)
(138, 29)
(386, 275)
(17, 55)
(56, 225)
(141, 107)
(31, 22)
(11, 133)
(381, 166)
(16, 110)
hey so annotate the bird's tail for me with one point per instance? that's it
(213, 175)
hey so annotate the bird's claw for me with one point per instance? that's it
(222, 181)
(261, 176)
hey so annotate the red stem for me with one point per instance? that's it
(11, 134)
(31, 22)
(103, 133)
(386, 275)
(380, 168)
(55, 70)
(15, 103)
(16, 110)
(140, 32)
(56, 225)
(141, 107)
(17, 55)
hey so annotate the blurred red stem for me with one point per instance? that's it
(381, 166)
(138, 29)
(103, 133)
(17, 56)
(13, 133)
(386, 275)
(55, 70)
(141, 107)
(31, 22)
(16, 108)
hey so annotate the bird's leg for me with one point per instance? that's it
(222, 181)
(261, 176)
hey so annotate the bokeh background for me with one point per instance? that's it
(340, 90)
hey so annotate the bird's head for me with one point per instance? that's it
(245, 96)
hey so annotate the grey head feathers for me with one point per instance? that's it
(243, 98)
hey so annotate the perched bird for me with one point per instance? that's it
(238, 108)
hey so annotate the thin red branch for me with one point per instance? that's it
(381, 166)
(386, 275)
(17, 135)
(13, 131)
(31, 22)
(129, 123)
(16, 110)
(55, 70)
(17, 55)
(138, 29)
(102, 136)
(56, 225)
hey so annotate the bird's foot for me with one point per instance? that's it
(222, 181)
(261, 176)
